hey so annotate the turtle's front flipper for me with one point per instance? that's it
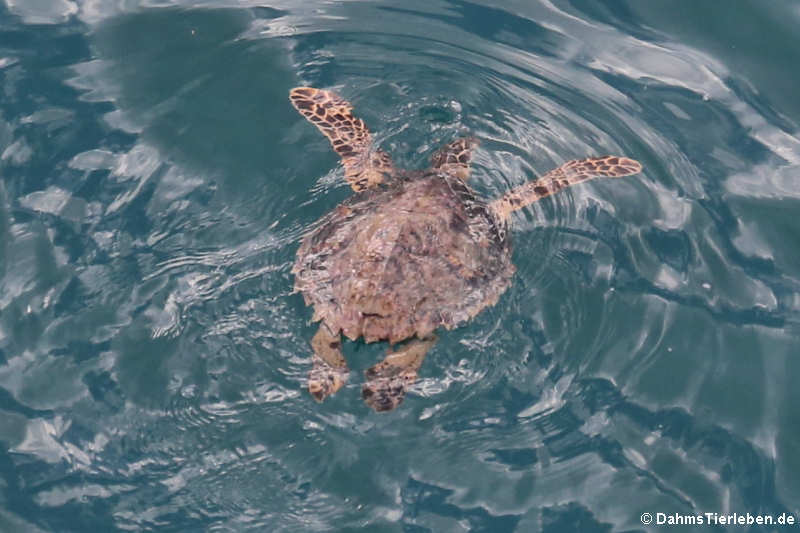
(562, 177)
(329, 372)
(363, 166)
(453, 158)
(388, 380)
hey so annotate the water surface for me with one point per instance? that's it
(155, 183)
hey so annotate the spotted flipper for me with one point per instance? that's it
(454, 157)
(329, 372)
(349, 136)
(568, 174)
(388, 380)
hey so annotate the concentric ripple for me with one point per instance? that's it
(156, 184)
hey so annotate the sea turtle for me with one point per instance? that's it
(410, 252)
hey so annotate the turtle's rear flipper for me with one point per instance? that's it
(388, 380)
(329, 372)
(349, 136)
(562, 177)
(454, 157)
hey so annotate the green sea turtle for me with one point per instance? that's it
(410, 252)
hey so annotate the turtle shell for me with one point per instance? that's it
(403, 259)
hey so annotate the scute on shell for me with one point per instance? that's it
(401, 260)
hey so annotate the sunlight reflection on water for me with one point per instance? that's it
(155, 186)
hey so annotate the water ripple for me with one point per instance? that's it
(156, 183)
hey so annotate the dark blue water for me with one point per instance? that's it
(155, 183)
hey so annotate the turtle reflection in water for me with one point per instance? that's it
(409, 252)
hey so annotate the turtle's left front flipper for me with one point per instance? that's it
(568, 174)
(364, 166)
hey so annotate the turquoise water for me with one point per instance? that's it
(155, 186)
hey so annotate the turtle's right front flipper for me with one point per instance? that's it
(364, 167)
(568, 174)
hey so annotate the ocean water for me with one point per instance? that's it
(155, 183)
